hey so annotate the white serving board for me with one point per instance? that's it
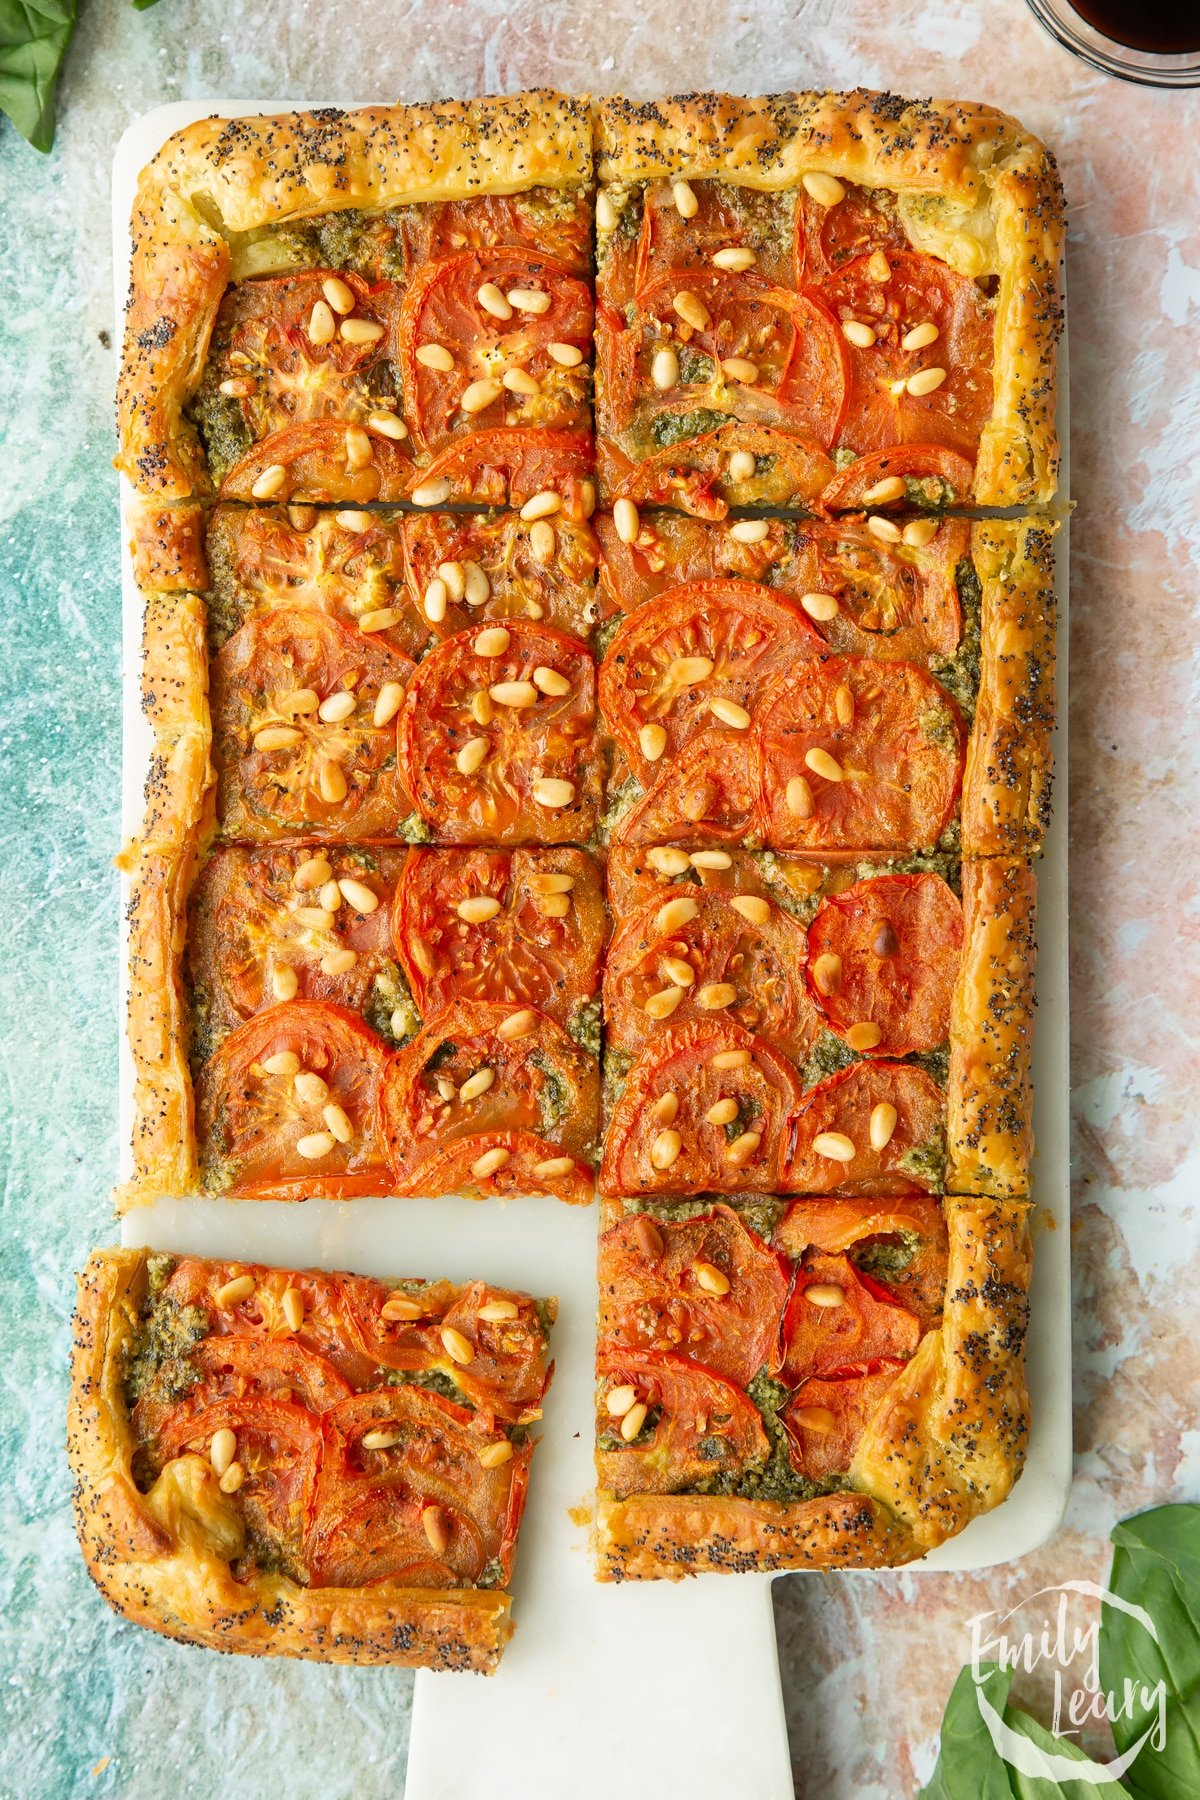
(686, 1672)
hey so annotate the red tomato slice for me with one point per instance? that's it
(249, 922)
(381, 1537)
(897, 940)
(250, 1122)
(896, 750)
(546, 222)
(703, 1426)
(895, 601)
(322, 463)
(309, 775)
(510, 1370)
(726, 217)
(498, 468)
(652, 1302)
(694, 475)
(559, 592)
(918, 291)
(901, 1242)
(279, 1448)
(540, 1107)
(843, 1105)
(932, 474)
(829, 236)
(526, 737)
(706, 645)
(682, 1065)
(441, 311)
(826, 1418)
(708, 795)
(759, 958)
(850, 1320)
(238, 1368)
(674, 550)
(532, 953)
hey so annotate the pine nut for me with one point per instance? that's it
(519, 381)
(878, 266)
(472, 756)
(517, 1025)
(284, 983)
(647, 1236)
(232, 1479)
(554, 1168)
(752, 908)
(492, 301)
(277, 737)
(825, 1293)
(493, 1456)
(821, 607)
(843, 705)
(222, 1450)
(457, 1347)
(813, 1418)
(387, 704)
(542, 541)
(884, 529)
(920, 532)
(516, 694)
(925, 381)
(552, 793)
(684, 196)
(554, 906)
(300, 702)
(437, 1531)
(361, 331)
(710, 1278)
(431, 493)
(494, 1310)
(664, 368)
(633, 1421)
(732, 1059)
(857, 333)
(722, 1112)
(652, 741)
(478, 909)
(667, 861)
(665, 1149)
(690, 671)
(551, 682)
(827, 973)
(890, 488)
(490, 1163)
(883, 1124)
(715, 995)
(834, 1145)
(730, 713)
(352, 519)
(920, 337)
(435, 356)
(478, 395)
(293, 1308)
(822, 764)
(550, 882)
(313, 918)
(240, 387)
(381, 618)
(400, 1308)
(675, 913)
(864, 1036)
(692, 310)
(665, 1110)
(735, 259)
(315, 1145)
(606, 212)
(695, 803)
(740, 368)
(380, 1439)
(618, 1401)
(454, 575)
(749, 531)
(663, 1004)
(332, 783)
(359, 449)
(321, 326)
(529, 300)
(477, 1084)
(337, 1120)
(492, 642)
(357, 894)
(310, 1089)
(626, 522)
(567, 356)
(826, 190)
(387, 425)
(270, 482)
(336, 708)
(542, 506)
(434, 603)
(339, 294)
(284, 1062)
(744, 1147)
(711, 859)
(742, 463)
(678, 971)
(239, 1288)
(313, 872)
(476, 586)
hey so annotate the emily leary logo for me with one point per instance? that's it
(1072, 1651)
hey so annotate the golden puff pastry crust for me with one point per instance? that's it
(162, 1558)
(970, 184)
(652, 1536)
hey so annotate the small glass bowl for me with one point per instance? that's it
(1148, 67)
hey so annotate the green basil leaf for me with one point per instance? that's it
(1042, 1787)
(34, 35)
(143, 5)
(1156, 1565)
(968, 1767)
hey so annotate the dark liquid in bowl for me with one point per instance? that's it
(1170, 29)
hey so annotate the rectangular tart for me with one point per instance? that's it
(289, 1463)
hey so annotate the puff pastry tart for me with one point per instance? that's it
(290, 1463)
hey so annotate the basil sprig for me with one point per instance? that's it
(34, 35)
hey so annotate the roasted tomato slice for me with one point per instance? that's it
(496, 737)
(881, 408)
(278, 1448)
(901, 1244)
(885, 953)
(503, 467)
(700, 656)
(347, 564)
(239, 1368)
(554, 222)
(661, 1139)
(538, 946)
(827, 237)
(895, 601)
(283, 767)
(322, 462)
(714, 1291)
(455, 352)
(268, 1133)
(708, 795)
(494, 1102)
(839, 1133)
(672, 550)
(826, 1417)
(501, 569)
(262, 929)
(763, 353)
(697, 1425)
(932, 476)
(696, 474)
(727, 217)
(669, 959)
(510, 1368)
(837, 1317)
(372, 1496)
(859, 755)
